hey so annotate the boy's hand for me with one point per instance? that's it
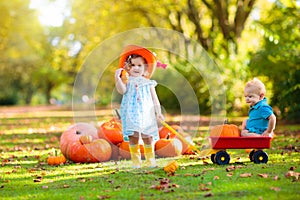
(267, 134)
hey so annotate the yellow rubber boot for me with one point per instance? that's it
(135, 156)
(150, 156)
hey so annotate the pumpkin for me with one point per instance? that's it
(85, 139)
(114, 152)
(81, 149)
(111, 131)
(164, 131)
(186, 148)
(171, 167)
(124, 151)
(168, 147)
(56, 160)
(124, 76)
(225, 130)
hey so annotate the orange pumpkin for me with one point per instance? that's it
(114, 152)
(72, 148)
(168, 147)
(124, 76)
(56, 160)
(124, 151)
(225, 130)
(164, 131)
(111, 131)
(85, 139)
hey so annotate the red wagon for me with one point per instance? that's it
(257, 155)
(219, 145)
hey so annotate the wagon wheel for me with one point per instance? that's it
(212, 158)
(260, 157)
(222, 158)
(251, 155)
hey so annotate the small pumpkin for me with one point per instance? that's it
(85, 139)
(168, 147)
(111, 131)
(171, 167)
(124, 76)
(164, 131)
(124, 151)
(56, 160)
(225, 130)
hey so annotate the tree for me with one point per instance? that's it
(279, 57)
(20, 41)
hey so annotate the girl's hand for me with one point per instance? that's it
(118, 73)
(160, 117)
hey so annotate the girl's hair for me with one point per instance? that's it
(128, 62)
(257, 86)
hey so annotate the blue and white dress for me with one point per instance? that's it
(137, 109)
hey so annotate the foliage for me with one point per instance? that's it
(29, 138)
(42, 64)
(279, 58)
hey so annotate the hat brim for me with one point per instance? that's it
(145, 53)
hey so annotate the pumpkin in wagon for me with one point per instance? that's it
(225, 130)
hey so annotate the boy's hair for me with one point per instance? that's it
(128, 63)
(257, 85)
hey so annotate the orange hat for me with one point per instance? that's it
(145, 53)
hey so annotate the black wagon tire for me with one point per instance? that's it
(251, 155)
(212, 158)
(222, 158)
(260, 157)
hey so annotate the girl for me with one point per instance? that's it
(140, 105)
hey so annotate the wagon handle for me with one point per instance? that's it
(202, 153)
(179, 135)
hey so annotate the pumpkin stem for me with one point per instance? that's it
(226, 121)
(55, 152)
(168, 136)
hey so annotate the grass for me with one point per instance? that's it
(26, 142)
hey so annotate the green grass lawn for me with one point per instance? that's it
(27, 139)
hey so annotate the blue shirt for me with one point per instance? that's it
(258, 117)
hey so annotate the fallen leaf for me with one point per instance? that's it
(263, 175)
(103, 197)
(292, 174)
(245, 175)
(208, 194)
(216, 177)
(229, 174)
(275, 178)
(230, 168)
(293, 168)
(66, 186)
(202, 187)
(45, 186)
(275, 188)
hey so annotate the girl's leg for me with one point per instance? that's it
(135, 150)
(149, 151)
